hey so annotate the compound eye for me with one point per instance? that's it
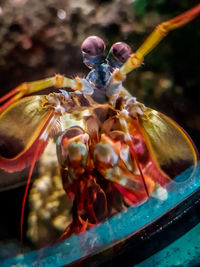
(121, 51)
(93, 46)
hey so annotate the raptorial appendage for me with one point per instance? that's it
(101, 175)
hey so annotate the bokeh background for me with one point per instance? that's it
(41, 38)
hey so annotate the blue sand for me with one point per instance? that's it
(114, 230)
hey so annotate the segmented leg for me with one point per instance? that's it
(26, 88)
(89, 200)
(135, 60)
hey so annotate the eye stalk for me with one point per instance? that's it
(118, 54)
(92, 51)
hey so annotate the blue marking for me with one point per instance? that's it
(112, 61)
(92, 61)
(100, 76)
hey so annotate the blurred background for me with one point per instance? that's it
(41, 38)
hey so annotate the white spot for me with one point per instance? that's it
(127, 136)
(139, 111)
(124, 153)
(44, 136)
(114, 158)
(123, 181)
(147, 166)
(61, 14)
(124, 112)
(65, 93)
(43, 184)
(160, 193)
(131, 99)
(86, 87)
(60, 109)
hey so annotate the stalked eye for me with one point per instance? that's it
(121, 51)
(93, 46)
